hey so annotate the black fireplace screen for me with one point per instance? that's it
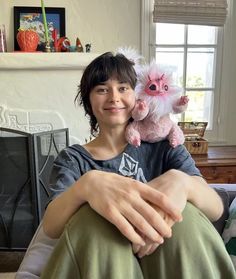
(25, 165)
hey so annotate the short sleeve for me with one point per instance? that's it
(179, 158)
(65, 172)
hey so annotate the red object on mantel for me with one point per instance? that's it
(27, 40)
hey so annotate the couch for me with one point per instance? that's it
(227, 193)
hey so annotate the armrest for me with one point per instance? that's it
(36, 256)
(227, 193)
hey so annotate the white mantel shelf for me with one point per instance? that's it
(45, 61)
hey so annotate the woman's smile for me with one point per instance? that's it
(114, 109)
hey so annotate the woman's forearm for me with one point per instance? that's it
(195, 188)
(61, 209)
(205, 198)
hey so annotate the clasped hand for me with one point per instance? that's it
(142, 213)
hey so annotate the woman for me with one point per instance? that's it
(118, 209)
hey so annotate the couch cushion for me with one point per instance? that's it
(226, 199)
(229, 233)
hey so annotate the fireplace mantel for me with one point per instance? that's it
(45, 61)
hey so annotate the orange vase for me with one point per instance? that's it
(27, 40)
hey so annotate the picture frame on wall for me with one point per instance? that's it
(31, 18)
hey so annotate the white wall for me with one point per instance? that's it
(104, 23)
(228, 83)
(45, 98)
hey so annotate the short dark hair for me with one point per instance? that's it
(100, 70)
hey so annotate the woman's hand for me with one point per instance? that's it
(180, 188)
(150, 246)
(127, 204)
(172, 184)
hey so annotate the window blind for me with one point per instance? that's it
(200, 12)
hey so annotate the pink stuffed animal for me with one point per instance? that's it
(157, 97)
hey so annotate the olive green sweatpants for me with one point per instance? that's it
(92, 248)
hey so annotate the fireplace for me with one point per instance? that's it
(25, 164)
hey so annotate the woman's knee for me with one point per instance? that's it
(194, 228)
(194, 219)
(91, 226)
(84, 218)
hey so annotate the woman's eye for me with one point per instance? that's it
(102, 91)
(123, 89)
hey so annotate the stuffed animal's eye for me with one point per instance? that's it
(166, 87)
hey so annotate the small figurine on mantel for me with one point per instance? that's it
(79, 46)
(27, 40)
(63, 44)
(88, 47)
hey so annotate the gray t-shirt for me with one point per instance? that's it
(143, 163)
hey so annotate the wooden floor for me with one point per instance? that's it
(9, 263)
(7, 275)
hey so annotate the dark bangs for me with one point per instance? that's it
(111, 66)
(107, 66)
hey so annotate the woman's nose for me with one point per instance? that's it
(114, 95)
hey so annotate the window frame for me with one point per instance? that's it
(148, 48)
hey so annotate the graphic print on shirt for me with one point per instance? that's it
(129, 167)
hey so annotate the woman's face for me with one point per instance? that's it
(112, 102)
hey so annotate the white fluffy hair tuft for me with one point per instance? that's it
(131, 54)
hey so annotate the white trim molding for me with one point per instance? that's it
(45, 61)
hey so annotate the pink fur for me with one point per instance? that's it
(157, 97)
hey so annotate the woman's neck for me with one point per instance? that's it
(107, 145)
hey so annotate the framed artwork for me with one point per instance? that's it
(31, 18)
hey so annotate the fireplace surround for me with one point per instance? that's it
(25, 163)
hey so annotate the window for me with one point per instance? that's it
(194, 52)
(190, 50)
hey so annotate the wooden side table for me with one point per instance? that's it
(219, 165)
